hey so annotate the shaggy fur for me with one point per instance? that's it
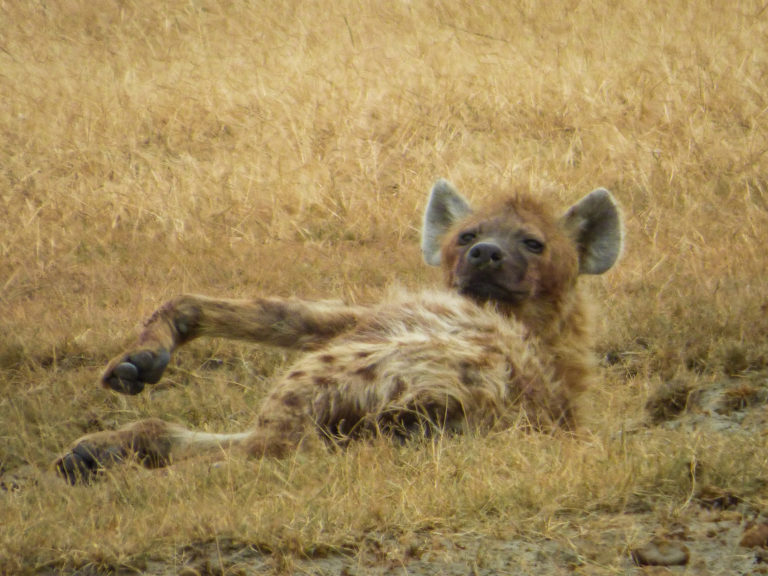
(506, 344)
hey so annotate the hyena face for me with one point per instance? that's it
(518, 251)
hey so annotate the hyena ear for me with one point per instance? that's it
(445, 207)
(595, 223)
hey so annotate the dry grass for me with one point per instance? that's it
(286, 148)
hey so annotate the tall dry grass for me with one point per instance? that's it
(148, 149)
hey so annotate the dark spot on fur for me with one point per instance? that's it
(363, 354)
(324, 381)
(468, 374)
(328, 358)
(493, 349)
(286, 426)
(367, 373)
(291, 399)
(297, 374)
(400, 388)
(282, 426)
(440, 309)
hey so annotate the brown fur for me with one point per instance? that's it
(507, 344)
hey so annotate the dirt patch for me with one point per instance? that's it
(711, 541)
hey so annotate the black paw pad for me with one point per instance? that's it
(150, 365)
(129, 376)
(84, 461)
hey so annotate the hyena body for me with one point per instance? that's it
(507, 344)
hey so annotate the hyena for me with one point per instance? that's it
(506, 344)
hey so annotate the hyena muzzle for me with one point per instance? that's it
(506, 344)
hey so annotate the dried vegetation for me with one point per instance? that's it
(152, 148)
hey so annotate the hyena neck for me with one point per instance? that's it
(554, 320)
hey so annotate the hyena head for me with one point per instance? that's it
(519, 251)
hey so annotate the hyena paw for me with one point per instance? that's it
(87, 459)
(129, 373)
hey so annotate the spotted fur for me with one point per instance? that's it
(506, 343)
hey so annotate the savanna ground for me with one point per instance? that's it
(286, 148)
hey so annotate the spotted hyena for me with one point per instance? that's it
(505, 344)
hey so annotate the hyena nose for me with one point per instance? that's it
(485, 255)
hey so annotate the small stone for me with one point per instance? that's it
(660, 552)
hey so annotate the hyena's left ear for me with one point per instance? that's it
(595, 223)
(445, 207)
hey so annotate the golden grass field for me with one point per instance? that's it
(286, 148)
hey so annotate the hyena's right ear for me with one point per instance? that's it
(445, 207)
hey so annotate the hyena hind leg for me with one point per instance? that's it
(153, 443)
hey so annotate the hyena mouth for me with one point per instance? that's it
(484, 291)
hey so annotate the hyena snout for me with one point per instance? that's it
(485, 255)
(488, 271)
(490, 261)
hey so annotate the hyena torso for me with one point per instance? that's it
(507, 343)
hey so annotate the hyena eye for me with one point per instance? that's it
(466, 237)
(533, 245)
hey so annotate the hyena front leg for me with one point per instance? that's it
(290, 323)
